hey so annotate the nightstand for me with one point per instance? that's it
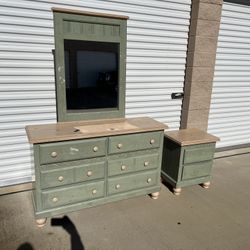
(188, 158)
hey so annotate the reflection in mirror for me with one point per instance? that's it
(91, 74)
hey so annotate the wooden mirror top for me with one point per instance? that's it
(190, 136)
(63, 131)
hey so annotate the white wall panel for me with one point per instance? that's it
(156, 55)
(230, 105)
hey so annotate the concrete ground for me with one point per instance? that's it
(218, 218)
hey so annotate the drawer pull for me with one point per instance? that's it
(152, 141)
(95, 149)
(119, 145)
(89, 173)
(55, 199)
(53, 154)
(60, 178)
(146, 163)
(123, 167)
(94, 191)
(117, 186)
(149, 180)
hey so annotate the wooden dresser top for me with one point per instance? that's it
(63, 131)
(190, 136)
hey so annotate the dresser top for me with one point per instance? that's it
(63, 131)
(190, 136)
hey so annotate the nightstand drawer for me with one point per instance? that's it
(132, 164)
(64, 196)
(70, 172)
(199, 153)
(132, 182)
(132, 142)
(71, 150)
(196, 170)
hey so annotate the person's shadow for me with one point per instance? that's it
(69, 227)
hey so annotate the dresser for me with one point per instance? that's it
(86, 163)
(188, 158)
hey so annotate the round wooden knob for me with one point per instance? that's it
(152, 141)
(146, 163)
(95, 149)
(149, 180)
(123, 167)
(119, 145)
(89, 173)
(94, 191)
(117, 186)
(55, 199)
(60, 178)
(53, 154)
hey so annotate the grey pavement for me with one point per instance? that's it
(217, 218)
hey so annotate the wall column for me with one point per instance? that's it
(202, 45)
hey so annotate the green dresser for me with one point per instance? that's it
(87, 163)
(188, 158)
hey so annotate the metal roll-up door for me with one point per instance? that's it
(229, 116)
(156, 54)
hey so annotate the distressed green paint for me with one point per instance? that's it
(198, 153)
(196, 170)
(76, 189)
(88, 28)
(90, 203)
(126, 143)
(72, 194)
(72, 150)
(187, 165)
(123, 184)
(74, 173)
(132, 164)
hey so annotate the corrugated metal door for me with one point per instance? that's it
(230, 105)
(156, 53)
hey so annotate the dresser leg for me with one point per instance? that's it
(177, 191)
(155, 195)
(206, 184)
(41, 222)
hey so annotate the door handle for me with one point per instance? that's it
(177, 95)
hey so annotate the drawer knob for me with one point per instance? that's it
(152, 141)
(95, 149)
(60, 178)
(89, 173)
(53, 154)
(94, 191)
(123, 167)
(55, 199)
(149, 180)
(146, 163)
(119, 145)
(117, 186)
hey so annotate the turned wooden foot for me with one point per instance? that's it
(155, 195)
(206, 184)
(41, 222)
(177, 191)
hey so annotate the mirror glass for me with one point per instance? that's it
(91, 75)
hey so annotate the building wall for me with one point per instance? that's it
(156, 57)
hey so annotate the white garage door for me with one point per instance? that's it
(230, 107)
(156, 53)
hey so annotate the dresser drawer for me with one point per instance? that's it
(64, 196)
(132, 164)
(71, 150)
(132, 182)
(199, 153)
(70, 172)
(132, 142)
(196, 170)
